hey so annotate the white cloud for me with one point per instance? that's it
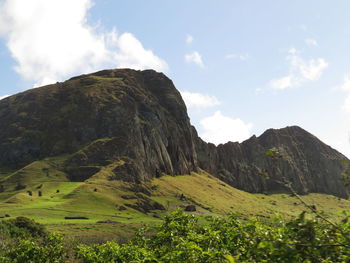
(195, 58)
(300, 71)
(345, 86)
(221, 129)
(282, 83)
(51, 40)
(3, 97)
(198, 100)
(308, 70)
(189, 39)
(311, 42)
(237, 56)
(133, 55)
(346, 105)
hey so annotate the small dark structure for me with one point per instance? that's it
(122, 208)
(182, 197)
(190, 208)
(75, 217)
(108, 221)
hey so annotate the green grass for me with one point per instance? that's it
(99, 199)
(221, 198)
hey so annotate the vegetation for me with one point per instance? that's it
(118, 201)
(258, 228)
(186, 238)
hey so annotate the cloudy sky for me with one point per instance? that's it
(241, 66)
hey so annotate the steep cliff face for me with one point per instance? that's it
(304, 161)
(136, 117)
(137, 121)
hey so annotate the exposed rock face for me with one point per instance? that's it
(138, 120)
(306, 162)
(135, 116)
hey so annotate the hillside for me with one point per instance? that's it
(128, 205)
(138, 122)
(117, 146)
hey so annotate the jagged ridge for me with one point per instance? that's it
(138, 120)
(309, 164)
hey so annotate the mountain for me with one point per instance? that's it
(303, 160)
(135, 117)
(138, 122)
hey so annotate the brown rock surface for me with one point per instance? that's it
(306, 162)
(124, 114)
(139, 120)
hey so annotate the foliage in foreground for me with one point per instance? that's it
(181, 238)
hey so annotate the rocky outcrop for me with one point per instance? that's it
(304, 161)
(107, 116)
(138, 121)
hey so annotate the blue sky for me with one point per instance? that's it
(242, 66)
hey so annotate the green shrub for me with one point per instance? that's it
(182, 239)
(29, 225)
(21, 227)
(50, 251)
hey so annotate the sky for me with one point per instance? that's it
(241, 66)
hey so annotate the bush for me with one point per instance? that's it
(52, 251)
(22, 227)
(182, 239)
(34, 229)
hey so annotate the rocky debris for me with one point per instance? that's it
(122, 208)
(182, 197)
(190, 208)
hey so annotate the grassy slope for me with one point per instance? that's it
(99, 199)
(221, 198)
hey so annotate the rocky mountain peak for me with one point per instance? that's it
(138, 122)
(136, 116)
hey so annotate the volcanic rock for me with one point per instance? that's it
(138, 122)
